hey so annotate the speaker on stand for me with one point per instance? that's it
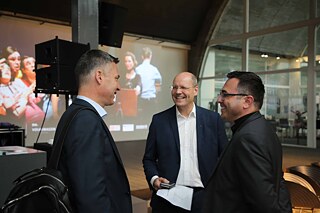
(55, 63)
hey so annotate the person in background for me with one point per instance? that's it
(183, 146)
(33, 112)
(14, 94)
(151, 81)
(90, 161)
(14, 60)
(248, 176)
(132, 80)
(28, 72)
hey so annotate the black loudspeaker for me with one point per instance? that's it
(55, 63)
(111, 24)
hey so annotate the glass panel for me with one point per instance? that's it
(318, 44)
(318, 78)
(209, 89)
(231, 21)
(318, 108)
(279, 51)
(269, 13)
(222, 59)
(285, 105)
(318, 8)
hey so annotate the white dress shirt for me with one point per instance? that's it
(189, 174)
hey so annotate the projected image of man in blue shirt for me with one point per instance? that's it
(151, 80)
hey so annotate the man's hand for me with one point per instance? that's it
(156, 183)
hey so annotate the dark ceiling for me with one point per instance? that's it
(175, 20)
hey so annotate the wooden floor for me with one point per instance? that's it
(132, 153)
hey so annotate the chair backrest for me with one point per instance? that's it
(299, 180)
(283, 122)
(301, 197)
(310, 174)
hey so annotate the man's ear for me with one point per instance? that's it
(196, 90)
(98, 76)
(248, 101)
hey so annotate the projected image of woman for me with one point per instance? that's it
(14, 60)
(132, 79)
(129, 80)
(12, 92)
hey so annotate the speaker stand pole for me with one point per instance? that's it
(67, 100)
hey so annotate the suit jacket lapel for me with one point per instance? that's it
(199, 129)
(174, 126)
(113, 145)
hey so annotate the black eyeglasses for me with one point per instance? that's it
(224, 95)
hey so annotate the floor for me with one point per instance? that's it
(132, 153)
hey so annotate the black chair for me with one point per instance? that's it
(283, 124)
(310, 174)
(299, 180)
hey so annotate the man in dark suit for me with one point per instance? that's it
(248, 176)
(183, 145)
(90, 161)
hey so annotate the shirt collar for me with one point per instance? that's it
(102, 112)
(192, 113)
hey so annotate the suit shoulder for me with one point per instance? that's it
(84, 113)
(166, 112)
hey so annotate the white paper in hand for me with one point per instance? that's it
(179, 196)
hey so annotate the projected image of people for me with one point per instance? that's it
(151, 83)
(19, 104)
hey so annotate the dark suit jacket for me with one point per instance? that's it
(91, 164)
(162, 153)
(249, 172)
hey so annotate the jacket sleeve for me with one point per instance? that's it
(85, 162)
(150, 156)
(254, 169)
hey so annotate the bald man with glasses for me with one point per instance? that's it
(183, 146)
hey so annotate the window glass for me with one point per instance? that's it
(318, 8)
(285, 105)
(231, 21)
(210, 89)
(269, 13)
(277, 52)
(222, 59)
(208, 96)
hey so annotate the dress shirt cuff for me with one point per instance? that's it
(153, 179)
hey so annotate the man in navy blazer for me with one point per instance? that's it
(183, 145)
(90, 162)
